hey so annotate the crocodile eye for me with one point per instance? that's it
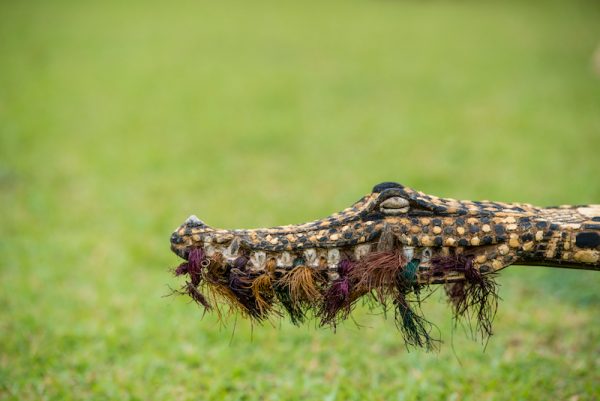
(394, 206)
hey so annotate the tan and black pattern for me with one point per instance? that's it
(498, 233)
(426, 231)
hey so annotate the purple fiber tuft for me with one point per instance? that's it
(182, 269)
(344, 267)
(240, 262)
(195, 259)
(337, 296)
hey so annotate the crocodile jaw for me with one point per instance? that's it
(494, 234)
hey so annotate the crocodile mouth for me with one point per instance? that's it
(388, 247)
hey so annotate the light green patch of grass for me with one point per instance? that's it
(118, 120)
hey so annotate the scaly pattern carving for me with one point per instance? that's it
(392, 243)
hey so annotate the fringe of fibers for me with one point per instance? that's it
(475, 298)
(385, 276)
(337, 303)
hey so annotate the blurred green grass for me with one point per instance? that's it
(119, 119)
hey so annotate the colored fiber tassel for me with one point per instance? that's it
(476, 297)
(294, 310)
(336, 300)
(240, 283)
(302, 284)
(262, 288)
(415, 329)
(193, 268)
(377, 272)
(196, 295)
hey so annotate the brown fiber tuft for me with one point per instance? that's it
(378, 272)
(303, 285)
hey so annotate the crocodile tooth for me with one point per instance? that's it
(209, 249)
(258, 260)
(361, 250)
(284, 260)
(409, 252)
(425, 255)
(332, 275)
(333, 258)
(231, 252)
(310, 256)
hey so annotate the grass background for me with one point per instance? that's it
(119, 119)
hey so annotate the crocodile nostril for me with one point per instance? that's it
(176, 238)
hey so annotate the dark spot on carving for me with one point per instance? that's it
(500, 238)
(440, 209)
(473, 229)
(298, 262)
(484, 269)
(499, 229)
(460, 221)
(541, 224)
(421, 212)
(438, 241)
(436, 222)
(176, 239)
(449, 230)
(587, 240)
(597, 218)
(463, 242)
(425, 229)
(487, 240)
(554, 227)
(527, 237)
(348, 235)
(485, 220)
(591, 226)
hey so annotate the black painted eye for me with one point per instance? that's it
(394, 206)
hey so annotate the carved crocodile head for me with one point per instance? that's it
(493, 234)
(392, 243)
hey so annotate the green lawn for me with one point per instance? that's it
(119, 119)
